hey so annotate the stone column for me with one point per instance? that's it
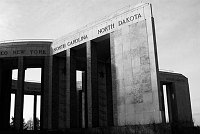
(114, 80)
(1, 93)
(84, 99)
(102, 94)
(5, 96)
(92, 87)
(58, 92)
(109, 95)
(55, 92)
(19, 97)
(172, 104)
(162, 103)
(62, 91)
(34, 112)
(71, 91)
(46, 97)
(79, 105)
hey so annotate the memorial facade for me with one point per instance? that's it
(121, 81)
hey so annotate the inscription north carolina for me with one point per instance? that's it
(100, 31)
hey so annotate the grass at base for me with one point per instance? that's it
(136, 129)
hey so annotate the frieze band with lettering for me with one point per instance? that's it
(13, 52)
(126, 18)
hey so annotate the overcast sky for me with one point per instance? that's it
(177, 29)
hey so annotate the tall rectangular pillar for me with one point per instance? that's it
(114, 80)
(61, 94)
(19, 97)
(162, 103)
(1, 92)
(34, 112)
(109, 95)
(102, 94)
(84, 104)
(55, 92)
(71, 91)
(58, 92)
(46, 97)
(5, 96)
(92, 85)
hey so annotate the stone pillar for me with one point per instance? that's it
(109, 95)
(5, 97)
(1, 93)
(92, 87)
(34, 112)
(102, 94)
(162, 103)
(84, 99)
(46, 97)
(114, 79)
(55, 92)
(62, 91)
(71, 91)
(79, 102)
(19, 97)
(181, 101)
(172, 104)
(58, 92)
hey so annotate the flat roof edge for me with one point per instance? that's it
(172, 73)
(26, 40)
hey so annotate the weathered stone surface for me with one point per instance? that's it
(133, 72)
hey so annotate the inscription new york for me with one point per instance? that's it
(11, 52)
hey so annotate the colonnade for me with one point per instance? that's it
(62, 105)
(96, 88)
(6, 67)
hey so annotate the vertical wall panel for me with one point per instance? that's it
(132, 67)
